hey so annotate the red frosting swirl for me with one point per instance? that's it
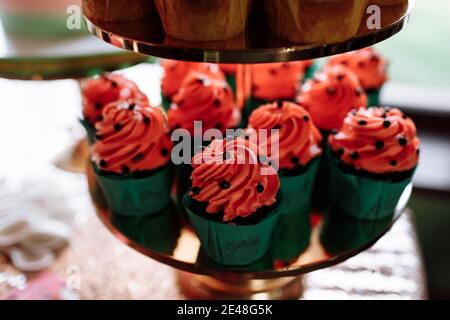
(368, 65)
(204, 98)
(133, 136)
(331, 95)
(377, 140)
(176, 71)
(278, 81)
(228, 176)
(298, 138)
(100, 91)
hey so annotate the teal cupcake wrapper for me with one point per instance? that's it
(129, 196)
(230, 244)
(373, 98)
(90, 131)
(166, 102)
(293, 230)
(363, 197)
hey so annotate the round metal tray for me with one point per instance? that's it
(258, 44)
(167, 237)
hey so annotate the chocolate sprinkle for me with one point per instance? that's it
(98, 106)
(164, 152)
(402, 141)
(362, 122)
(147, 120)
(217, 103)
(386, 123)
(260, 188)
(393, 163)
(196, 190)
(331, 91)
(118, 127)
(114, 84)
(132, 106)
(305, 118)
(354, 155)
(103, 163)
(138, 157)
(224, 184)
(340, 77)
(98, 137)
(379, 144)
(280, 104)
(295, 160)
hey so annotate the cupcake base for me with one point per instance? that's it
(364, 195)
(137, 194)
(232, 244)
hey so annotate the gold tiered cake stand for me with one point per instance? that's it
(168, 238)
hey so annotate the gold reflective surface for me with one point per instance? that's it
(277, 30)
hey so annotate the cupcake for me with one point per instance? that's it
(330, 95)
(203, 99)
(131, 156)
(370, 68)
(118, 10)
(174, 72)
(203, 20)
(315, 21)
(233, 202)
(296, 147)
(206, 98)
(275, 81)
(374, 156)
(99, 92)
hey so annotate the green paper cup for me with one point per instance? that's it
(362, 196)
(158, 232)
(231, 80)
(373, 98)
(293, 230)
(90, 131)
(232, 245)
(166, 102)
(342, 233)
(131, 196)
(311, 71)
(265, 263)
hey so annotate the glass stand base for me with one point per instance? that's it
(199, 287)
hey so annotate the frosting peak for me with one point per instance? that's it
(228, 177)
(330, 95)
(368, 65)
(298, 138)
(273, 81)
(204, 98)
(133, 136)
(377, 140)
(100, 91)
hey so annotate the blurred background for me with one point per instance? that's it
(420, 85)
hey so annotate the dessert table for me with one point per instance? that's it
(105, 268)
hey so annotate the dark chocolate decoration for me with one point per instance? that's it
(379, 144)
(354, 155)
(393, 163)
(362, 122)
(98, 106)
(295, 160)
(164, 152)
(386, 123)
(403, 141)
(224, 184)
(132, 106)
(280, 104)
(114, 84)
(260, 188)
(340, 77)
(196, 190)
(147, 120)
(103, 163)
(118, 127)
(331, 91)
(217, 103)
(305, 118)
(138, 157)
(98, 137)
